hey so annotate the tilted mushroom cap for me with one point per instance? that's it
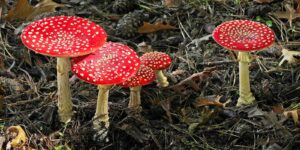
(144, 76)
(113, 63)
(156, 60)
(63, 36)
(243, 35)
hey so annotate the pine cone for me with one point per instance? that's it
(123, 6)
(128, 25)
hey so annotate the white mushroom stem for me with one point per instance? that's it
(246, 96)
(162, 80)
(135, 99)
(101, 116)
(64, 94)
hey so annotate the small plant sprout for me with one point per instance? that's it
(63, 37)
(144, 76)
(111, 64)
(244, 36)
(158, 61)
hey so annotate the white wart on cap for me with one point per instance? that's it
(113, 63)
(243, 35)
(144, 76)
(63, 36)
(156, 60)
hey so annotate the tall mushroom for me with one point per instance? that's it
(158, 61)
(244, 36)
(113, 63)
(63, 37)
(144, 76)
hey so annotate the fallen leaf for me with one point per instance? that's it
(21, 10)
(294, 114)
(193, 81)
(149, 28)
(213, 100)
(172, 3)
(24, 11)
(19, 136)
(46, 6)
(289, 56)
(263, 1)
(290, 14)
(287, 112)
(278, 108)
(298, 7)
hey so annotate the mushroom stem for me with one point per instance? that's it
(246, 96)
(101, 115)
(64, 94)
(135, 99)
(162, 80)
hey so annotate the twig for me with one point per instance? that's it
(214, 63)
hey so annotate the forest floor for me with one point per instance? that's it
(199, 113)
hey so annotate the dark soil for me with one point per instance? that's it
(170, 118)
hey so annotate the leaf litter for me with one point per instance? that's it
(197, 111)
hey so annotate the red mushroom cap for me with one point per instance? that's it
(243, 35)
(156, 60)
(144, 76)
(63, 36)
(113, 63)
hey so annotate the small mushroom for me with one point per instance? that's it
(244, 36)
(158, 61)
(63, 37)
(111, 64)
(144, 76)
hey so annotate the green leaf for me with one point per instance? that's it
(258, 19)
(269, 23)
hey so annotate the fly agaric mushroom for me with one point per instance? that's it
(157, 61)
(63, 37)
(113, 63)
(144, 76)
(244, 36)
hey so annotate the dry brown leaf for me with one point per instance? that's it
(289, 56)
(149, 28)
(45, 6)
(193, 81)
(263, 1)
(172, 3)
(19, 139)
(24, 11)
(290, 14)
(294, 114)
(278, 108)
(209, 101)
(21, 11)
(298, 7)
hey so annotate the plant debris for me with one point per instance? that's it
(196, 111)
(24, 11)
